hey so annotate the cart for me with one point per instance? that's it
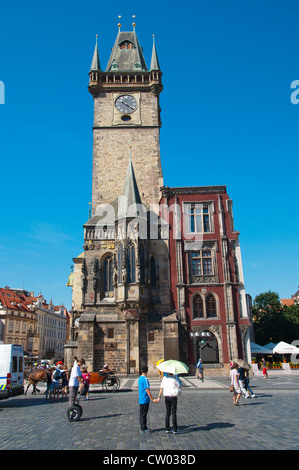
(109, 381)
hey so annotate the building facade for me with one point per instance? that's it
(207, 283)
(40, 328)
(129, 304)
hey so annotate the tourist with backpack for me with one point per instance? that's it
(56, 382)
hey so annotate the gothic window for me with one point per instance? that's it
(153, 273)
(131, 276)
(119, 263)
(142, 264)
(108, 275)
(211, 309)
(199, 218)
(198, 310)
(202, 263)
(126, 45)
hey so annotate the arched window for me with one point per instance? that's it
(142, 264)
(119, 263)
(198, 311)
(126, 45)
(108, 275)
(211, 309)
(153, 274)
(131, 277)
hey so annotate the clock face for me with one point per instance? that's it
(126, 104)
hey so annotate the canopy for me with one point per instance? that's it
(257, 349)
(285, 348)
(270, 346)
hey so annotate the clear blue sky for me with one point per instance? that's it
(228, 66)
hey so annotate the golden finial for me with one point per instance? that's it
(119, 25)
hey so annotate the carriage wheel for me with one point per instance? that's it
(112, 383)
(74, 412)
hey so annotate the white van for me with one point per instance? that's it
(11, 370)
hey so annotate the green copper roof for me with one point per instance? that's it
(126, 55)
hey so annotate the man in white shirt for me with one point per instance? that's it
(74, 380)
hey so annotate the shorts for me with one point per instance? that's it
(55, 385)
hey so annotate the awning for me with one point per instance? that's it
(257, 349)
(285, 348)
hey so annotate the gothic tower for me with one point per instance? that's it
(121, 290)
(126, 113)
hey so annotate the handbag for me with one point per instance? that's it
(231, 388)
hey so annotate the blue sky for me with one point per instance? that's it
(228, 66)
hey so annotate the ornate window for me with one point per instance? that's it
(211, 309)
(204, 306)
(108, 275)
(198, 309)
(131, 275)
(202, 263)
(199, 217)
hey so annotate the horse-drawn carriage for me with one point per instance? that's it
(106, 377)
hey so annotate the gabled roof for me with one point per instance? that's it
(126, 59)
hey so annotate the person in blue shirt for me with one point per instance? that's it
(145, 397)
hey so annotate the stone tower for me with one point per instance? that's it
(121, 289)
(126, 113)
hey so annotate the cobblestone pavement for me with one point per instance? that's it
(206, 417)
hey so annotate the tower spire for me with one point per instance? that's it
(154, 62)
(95, 65)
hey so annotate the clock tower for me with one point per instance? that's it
(126, 114)
(121, 313)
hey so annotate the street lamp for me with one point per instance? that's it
(203, 335)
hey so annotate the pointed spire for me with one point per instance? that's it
(130, 201)
(154, 62)
(95, 65)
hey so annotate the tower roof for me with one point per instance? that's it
(126, 55)
(95, 65)
(129, 204)
(154, 62)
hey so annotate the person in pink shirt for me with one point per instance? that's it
(84, 389)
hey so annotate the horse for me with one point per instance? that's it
(35, 376)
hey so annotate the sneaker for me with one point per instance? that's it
(253, 396)
(168, 431)
(176, 432)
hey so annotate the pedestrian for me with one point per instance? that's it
(49, 382)
(84, 387)
(64, 382)
(235, 384)
(200, 369)
(171, 389)
(265, 373)
(241, 379)
(56, 382)
(75, 376)
(247, 386)
(145, 397)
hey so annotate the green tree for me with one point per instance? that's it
(272, 321)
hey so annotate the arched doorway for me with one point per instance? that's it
(207, 348)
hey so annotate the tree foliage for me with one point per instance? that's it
(272, 321)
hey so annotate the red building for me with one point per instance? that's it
(206, 275)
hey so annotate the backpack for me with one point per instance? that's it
(56, 375)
